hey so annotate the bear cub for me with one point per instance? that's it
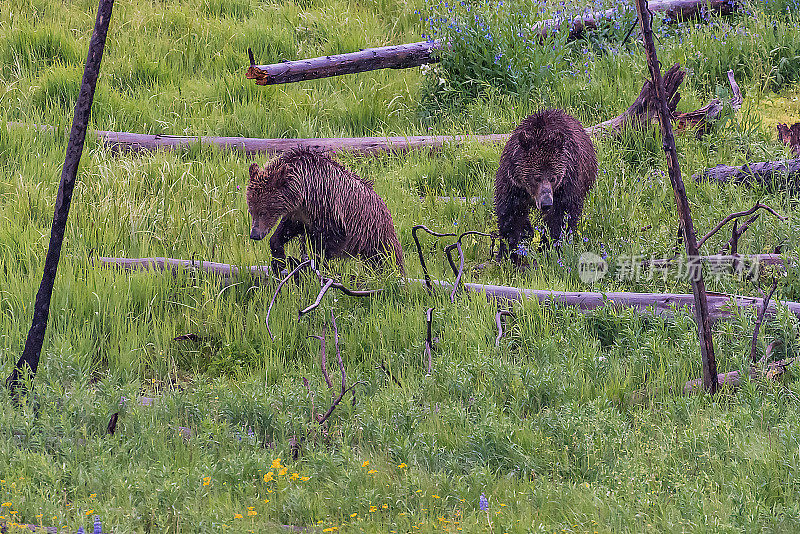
(319, 199)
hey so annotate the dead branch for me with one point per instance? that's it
(112, 424)
(420, 254)
(277, 290)
(345, 387)
(701, 119)
(322, 359)
(389, 374)
(790, 136)
(737, 99)
(385, 57)
(759, 320)
(738, 231)
(457, 245)
(429, 341)
(498, 319)
(325, 286)
(727, 219)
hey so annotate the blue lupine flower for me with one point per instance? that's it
(98, 527)
(483, 502)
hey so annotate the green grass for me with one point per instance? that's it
(575, 422)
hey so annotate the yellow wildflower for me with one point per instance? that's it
(365, 464)
(88, 512)
(384, 506)
(92, 496)
(294, 476)
(373, 508)
(330, 529)
(353, 514)
(266, 501)
(283, 471)
(206, 481)
(252, 512)
(402, 466)
(304, 478)
(268, 477)
(276, 463)
(237, 516)
(435, 496)
(371, 472)
(6, 504)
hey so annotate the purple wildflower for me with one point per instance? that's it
(483, 502)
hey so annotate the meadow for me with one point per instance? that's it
(574, 423)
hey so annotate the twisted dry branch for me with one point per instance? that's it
(457, 245)
(428, 282)
(428, 340)
(498, 319)
(727, 219)
(345, 387)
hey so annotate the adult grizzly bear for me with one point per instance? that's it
(549, 162)
(320, 199)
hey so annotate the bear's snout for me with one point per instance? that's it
(256, 234)
(545, 202)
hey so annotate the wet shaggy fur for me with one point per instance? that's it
(549, 164)
(319, 198)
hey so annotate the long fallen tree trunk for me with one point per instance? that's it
(639, 113)
(385, 57)
(675, 10)
(765, 173)
(721, 306)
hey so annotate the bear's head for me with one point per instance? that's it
(541, 162)
(268, 198)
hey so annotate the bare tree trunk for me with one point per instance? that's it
(701, 310)
(29, 361)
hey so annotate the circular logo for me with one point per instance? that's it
(591, 267)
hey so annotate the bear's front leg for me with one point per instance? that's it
(285, 232)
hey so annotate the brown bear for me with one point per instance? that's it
(321, 200)
(548, 163)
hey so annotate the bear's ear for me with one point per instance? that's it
(525, 140)
(254, 170)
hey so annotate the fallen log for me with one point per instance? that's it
(674, 10)
(386, 57)
(765, 173)
(734, 378)
(720, 305)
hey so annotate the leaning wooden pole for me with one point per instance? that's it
(29, 361)
(701, 312)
